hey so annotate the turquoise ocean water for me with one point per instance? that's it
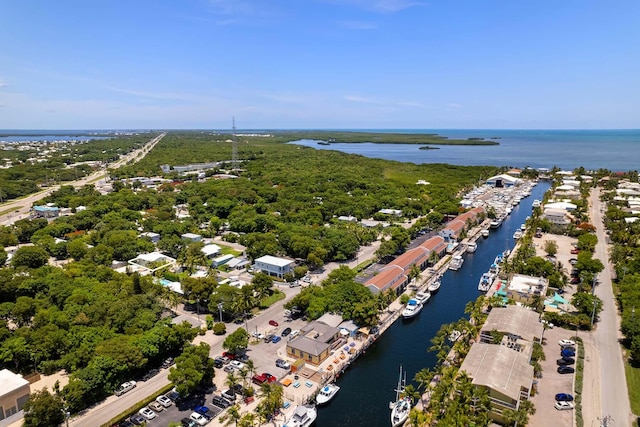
(617, 150)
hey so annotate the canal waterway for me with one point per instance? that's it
(368, 386)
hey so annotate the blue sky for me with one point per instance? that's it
(273, 64)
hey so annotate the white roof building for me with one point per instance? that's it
(560, 205)
(210, 250)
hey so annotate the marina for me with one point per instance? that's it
(406, 342)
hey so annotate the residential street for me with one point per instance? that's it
(614, 397)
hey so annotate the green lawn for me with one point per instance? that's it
(633, 383)
(226, 250)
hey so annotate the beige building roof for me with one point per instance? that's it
(10, 382)
(499, 368)
(515, 320)
(308, 345)
(319, 331)
(330, 319)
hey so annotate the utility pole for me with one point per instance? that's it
(593, 313)
(220, 311)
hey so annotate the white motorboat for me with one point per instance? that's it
(471, 247)
(412, 309)
(455, 335)
(485, 232)
(486, 281)
(303, 416)
(495, 223)
(435, 285)
(536, 203)
(517, 234)
(523, 227)
(327, 393)
(456, 262)
(402, 406)
(422, 297)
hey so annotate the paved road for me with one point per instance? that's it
(20, 208)
(614, 396)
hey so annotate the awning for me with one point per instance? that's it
(364, 330)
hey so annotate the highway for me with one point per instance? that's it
(614, 396)
(21, 208)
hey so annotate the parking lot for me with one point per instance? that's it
(552, 383)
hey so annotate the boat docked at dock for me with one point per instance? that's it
(327, 393)
(471, 247)
(456, 262)
(303, 416)
(412, 309)
(486, 281)
(435, 285)
(422, 297)
(517, 234)
(495, 223)
(402, 406)
(485, 232)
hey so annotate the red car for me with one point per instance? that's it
(228, 355)
(273, 323)
(575, 251)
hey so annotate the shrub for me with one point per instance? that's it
(219, 328)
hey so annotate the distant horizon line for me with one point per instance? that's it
(308, 129)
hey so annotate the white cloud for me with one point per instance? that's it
(453, 105)
(360, 99)
(357, 25)
(394, 5)
(2, 83)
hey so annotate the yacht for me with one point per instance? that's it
(327, 393)
(456, 262)
(486, 281)
(422, 297)
(485, 233)
(402, 405)
(303, 416)
(412, 309)
(435, 285)
(536, 203)
(517, 234)
(495, 223)
(471, 247)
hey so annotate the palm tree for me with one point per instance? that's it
(231, 380)
(414, 272)
(251, 367)
(424, 377)
(232, 415)
(411, 392)
(243, 373)
(248, 420)
(418, 418)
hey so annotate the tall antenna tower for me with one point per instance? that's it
(234, 146)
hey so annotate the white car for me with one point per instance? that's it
(125, 387)
(236, 364)
(566, 343)
(147, 413)
(561, 406)
(199, 418)
(164, 401)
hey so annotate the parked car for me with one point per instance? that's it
(258, 335)
(564, 397)
(575, 251)
(168, 362)
(152, 373)
(567, 352)
(281, 363)
(228, 369)
(125, 387)
(273, 323)
(565, 361)
(236, 364)
(204, 411)
(199, 418)
(147, 413)
(229, 395)
(186, 422)
(164, 401)
(218, 362)
(566, 343)
(574, 280)
(573, 261)
(276, 339)
(229, 355)
(126, 423)
(565, 370)
(293, 334)
(561, 406)
(220, 402)
(285, 332)
(173, 395)
(237, 388)
(137, 419)
(268, 338)
(156, 406)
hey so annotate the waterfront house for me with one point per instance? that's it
(525, 289)
(505, 374)
(556, 216)
(519, 323)
(274, 266)
(389, 277)
(313, 344)
(453, 229)
(435, 245)
(417, 256)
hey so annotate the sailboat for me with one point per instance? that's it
(402, 405)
